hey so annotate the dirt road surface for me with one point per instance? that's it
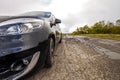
(80, 58)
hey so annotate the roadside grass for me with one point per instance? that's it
(104, 36)
(63, 34)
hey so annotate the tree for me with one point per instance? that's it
(99, 28)
(110, 24)
(85, 29)
(118, 22)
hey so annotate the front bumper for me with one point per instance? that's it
(17, 43)
(8, 60)
(17, 70)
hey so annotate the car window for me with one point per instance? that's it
(40, 14)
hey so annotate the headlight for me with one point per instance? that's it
(19, 28)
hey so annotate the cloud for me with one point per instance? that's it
(72, 22)
(19, 6)
(102, 10)
(94, 10)
(73, 13)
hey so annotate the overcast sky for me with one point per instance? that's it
(73, 13)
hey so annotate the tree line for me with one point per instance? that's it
(99, 28)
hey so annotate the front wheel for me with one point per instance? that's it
(60, 40)
(50, 50)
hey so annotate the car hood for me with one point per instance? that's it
(18, 19)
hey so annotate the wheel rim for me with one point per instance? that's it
(51, 51)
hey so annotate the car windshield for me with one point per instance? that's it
(38, 13)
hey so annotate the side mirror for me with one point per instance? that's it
(57, 21)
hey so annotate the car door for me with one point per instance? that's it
(58, 32)
(55, 27)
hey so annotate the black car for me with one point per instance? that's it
(27, 43)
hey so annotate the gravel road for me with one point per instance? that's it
(75, 60)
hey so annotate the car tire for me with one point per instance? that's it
(60, 40)
(50, 58)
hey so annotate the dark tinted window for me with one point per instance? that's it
(40, 14)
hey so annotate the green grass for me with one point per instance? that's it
(104, 36)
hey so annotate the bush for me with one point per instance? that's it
(98, 28)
